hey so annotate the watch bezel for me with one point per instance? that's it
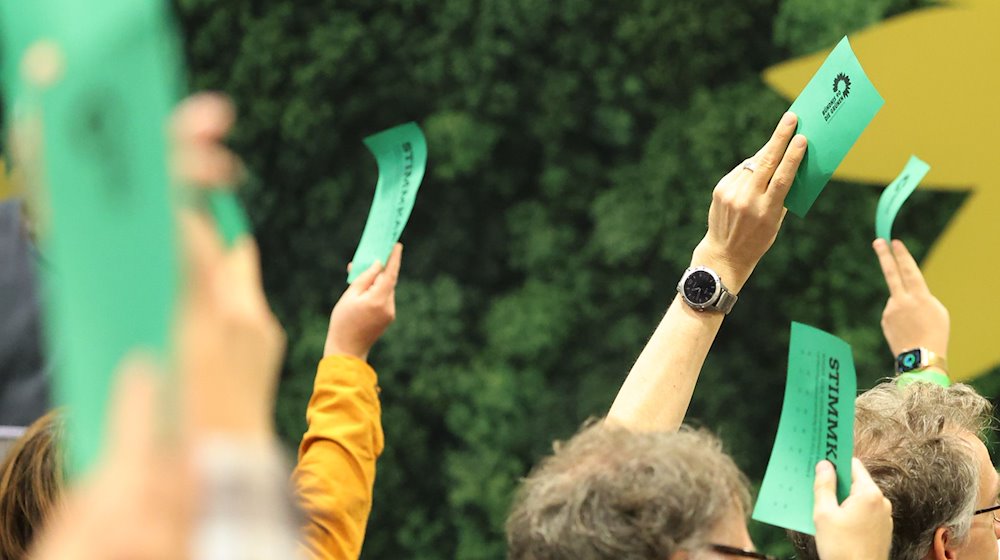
(922, 360)
(710, 304)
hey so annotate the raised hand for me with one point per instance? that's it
(366, 309)
(913, 317)
(748, 206)
(230, 345)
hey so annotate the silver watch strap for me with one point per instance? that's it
(726, 301)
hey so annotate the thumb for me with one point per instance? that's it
(861, 481)
(366, 278)
(825, 488)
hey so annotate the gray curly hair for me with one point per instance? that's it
(911, 441)
(611, 493)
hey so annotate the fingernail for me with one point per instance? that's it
(799, 141)
(824, 467)
(788, 118)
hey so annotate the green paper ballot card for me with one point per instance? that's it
(817, 423)
(834, 109)
(19, 26)
(895, 195)
(110, 241)
(401, 154)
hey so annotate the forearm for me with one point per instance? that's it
(658, 389)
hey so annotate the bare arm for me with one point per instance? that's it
(746, 212)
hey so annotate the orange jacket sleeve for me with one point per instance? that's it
(336, 467)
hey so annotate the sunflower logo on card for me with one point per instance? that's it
(841, 89)
(846, 81)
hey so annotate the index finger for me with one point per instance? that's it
(768, 157)
(386, 281)
(860, 479)
(909, 270)
(205, 116)
(889, 268)
(825, 487)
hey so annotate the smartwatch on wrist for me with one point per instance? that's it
(703, 290)
(918, 359)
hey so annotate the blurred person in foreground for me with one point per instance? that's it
(921, 437)
(218, 489)
(639, 486)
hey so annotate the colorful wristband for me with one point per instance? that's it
(924, 376)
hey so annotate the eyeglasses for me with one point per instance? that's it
(995, 510)
(744, 553)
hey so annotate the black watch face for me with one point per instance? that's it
(699, 288)
(908, 361)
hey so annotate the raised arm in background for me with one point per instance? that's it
(746, 212)
(336, 469)
(913, 318)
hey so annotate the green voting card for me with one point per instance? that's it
(895, 195)
(113, 276)
(401, 154)
(230, 217)
(833, 109)
(817, 423)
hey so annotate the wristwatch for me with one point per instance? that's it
(703, 290)
(919, 358)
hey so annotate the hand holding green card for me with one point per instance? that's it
(817, 423)
(401, 153)
(895, 195)
(833, 109)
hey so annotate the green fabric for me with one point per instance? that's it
(817, 422)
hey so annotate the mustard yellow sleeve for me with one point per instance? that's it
(336, 467)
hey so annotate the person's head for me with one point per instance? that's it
(30, 485)
(922, 446)
(611, 493)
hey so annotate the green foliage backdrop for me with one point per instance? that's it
(573, 148)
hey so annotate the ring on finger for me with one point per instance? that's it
(750, 165)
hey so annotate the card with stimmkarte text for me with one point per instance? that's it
(401, 154)
(817, 423)
(834, 109)
(895, 195)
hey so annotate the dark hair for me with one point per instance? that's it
(611, 493)
(30, 484)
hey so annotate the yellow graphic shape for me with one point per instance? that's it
(939, 72)
(6, 189)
